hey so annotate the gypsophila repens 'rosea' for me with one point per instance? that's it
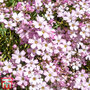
(45, 44)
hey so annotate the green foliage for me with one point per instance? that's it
(33, 15)
(60, 23)
(53, 0)
(71, 8)
(12, 2)
(87, 67)
(7, 39)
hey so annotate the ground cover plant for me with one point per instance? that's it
(45, 44)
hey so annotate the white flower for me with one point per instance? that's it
(50, 76)
(23, 33)
(87, 10)
(70, 53)
(72, 34)
(83, 3)
(77, 83)
(43, 86)
(73, 25)
(80, 82)
(33, 87)
(88, 57)
(2, 17)
(76, 65)
(49, 15)
(83, 49)
(46, 46)
(80, 44)
(66, 61)
(32, 63)
(35, 43)
(88, 26)
(79, 12)
(85, 32)
(38, 5)
(37, 24)
(34, 79)
(38, 52)
(18, 17)
(68, 16)
(84, 85)
(57, 39)
(14, 72)
(1, 1)
(38, 2)
(49, 6)
(9, 24)
(8, 66)
(20, 68)
(64, 89)
(50, 66)
(65, 45)
(60, 11)
(28, 71)
(44, 32)
(1, 69)
(23, 6)
(40, 22)
(18, 56)
(21, 81)
(89, 84)
(46, 56)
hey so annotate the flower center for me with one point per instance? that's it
(17, 18)
(1, 69)
(58, 40)
(34, 78)
(48, 15)
(82, 75)
(73, 25)
(50, 75)
(43, 87)
(47, 54)
(34, 51)
(45, 45)
(9, 66)
(43, 31)
(36, 42)
(65, 46)
(22, 78)
(9, 24)
(19, 56)
(83, 32)
(20, 69)
(40, 24)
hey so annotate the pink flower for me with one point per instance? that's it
(65, 45)
(21, 81)
(8, 66)
(50, 76)
(18, 56)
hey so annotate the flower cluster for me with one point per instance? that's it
(56, 34)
